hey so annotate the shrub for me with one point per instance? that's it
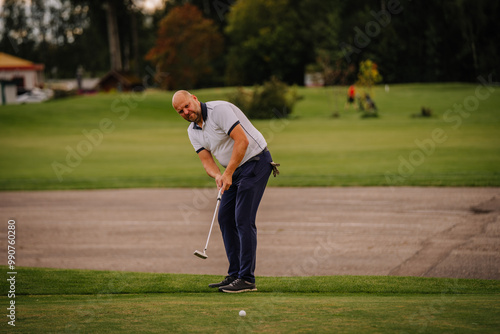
(274, 99)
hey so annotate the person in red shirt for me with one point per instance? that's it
(351, 95)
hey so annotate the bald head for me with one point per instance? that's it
(180, 94)
(188, 106)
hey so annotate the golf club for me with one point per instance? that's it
(204, 254)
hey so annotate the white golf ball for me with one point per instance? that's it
(243, 313)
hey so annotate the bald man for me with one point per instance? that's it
(220, 129)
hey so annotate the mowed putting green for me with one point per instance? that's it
(55, 300)
(137, 140)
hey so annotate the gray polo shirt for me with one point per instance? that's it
(219, 119)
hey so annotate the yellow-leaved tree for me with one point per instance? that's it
(368, 75)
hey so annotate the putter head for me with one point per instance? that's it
(200, 254)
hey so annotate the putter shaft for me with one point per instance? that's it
(204, 255)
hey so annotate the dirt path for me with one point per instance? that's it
(302, 231)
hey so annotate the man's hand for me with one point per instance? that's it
(224, 181)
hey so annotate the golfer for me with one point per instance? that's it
(220, 129)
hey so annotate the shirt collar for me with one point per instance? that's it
(204, 115)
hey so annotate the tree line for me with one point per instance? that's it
(200, 43)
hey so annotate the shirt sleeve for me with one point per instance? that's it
(198, 147)
(224, 116)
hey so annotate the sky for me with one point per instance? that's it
(149, 5)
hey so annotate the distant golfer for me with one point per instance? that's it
(220, 129)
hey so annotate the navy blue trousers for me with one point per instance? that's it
(237, 212)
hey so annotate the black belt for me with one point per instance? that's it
(256, 157)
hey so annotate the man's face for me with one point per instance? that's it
(188, 107)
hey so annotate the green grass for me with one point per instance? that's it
(86, 301)
(147, 146)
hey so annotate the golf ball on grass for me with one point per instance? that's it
(243, 313)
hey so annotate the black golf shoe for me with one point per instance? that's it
(237, 286)
(226, 281)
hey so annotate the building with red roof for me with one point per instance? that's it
(24, 73)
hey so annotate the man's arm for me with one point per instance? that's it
(225, 180)
(209, 164)
(239, 151)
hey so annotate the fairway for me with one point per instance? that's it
(51, 300)
(266, 313)
(137, 140)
